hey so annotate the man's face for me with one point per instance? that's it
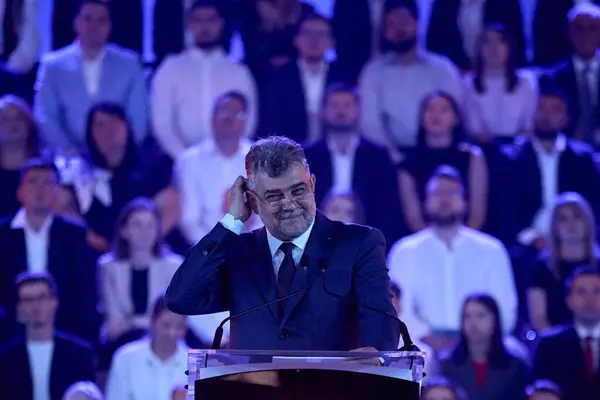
(584, 32)
(584, 299)
(37, 190)
(543, 396)
(37, 305)
(206, 26)
(400, 29)
(285, 204)
(313, 39)
(229, 119)
(551, 115)
(340, 113)
(92, 25)
(445, 204)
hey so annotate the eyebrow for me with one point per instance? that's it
(277, 191)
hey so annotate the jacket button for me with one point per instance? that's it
(204, 252)
(284, 335)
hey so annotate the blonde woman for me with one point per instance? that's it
(572, 243)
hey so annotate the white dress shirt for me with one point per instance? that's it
(137, 374)
(235, 226)
(470, 24)
(92, 71)
(593, 333)
(36, 242)
(497, 111)
(343, 165)
(203, 176)
(40, 364)
(184, 91)
(313, 82)
(436, 279)
(548, 165)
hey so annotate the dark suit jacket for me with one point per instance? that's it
(284, 112)
(374, 181)
(577, 172)
(71, 264)
(72, 361)
(225, 271)
(563, 77)
(502, 384)
(444, 36)
(559, 357)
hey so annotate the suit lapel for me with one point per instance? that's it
(261, 269)
(56, 366)
(78, 75)
(22, 364)
(107, 75)
(17, 256)
(317, 251)
(54, 262)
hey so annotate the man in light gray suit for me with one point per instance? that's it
(72, 79)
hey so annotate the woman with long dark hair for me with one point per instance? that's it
(441, 142)
(500, 100)
(481, 363)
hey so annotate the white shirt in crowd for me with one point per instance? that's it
(470, 24)
(136, 373)
(548, 164)
(92, 72)
(436, 279)
(314, 82)
(25, 55)
(36, 242)
(40, 364)
(184, 91)
(497, 111)
(387, 83)
(343, 165)
(203, 176)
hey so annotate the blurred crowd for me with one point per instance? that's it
(123, 124)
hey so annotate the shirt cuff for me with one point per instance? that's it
(527, 236)
(234, 225)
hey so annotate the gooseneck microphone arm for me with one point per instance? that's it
(218, 337)
(408, 343)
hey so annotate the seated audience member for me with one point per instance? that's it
(20, 37)
(499, 99)
(463, 261)
(576, 76)
(480, 362)
(45, 362)
(205, 171)
(114, 174)
(571, 244)
(186, 86)
(543, 389)
(295, 91)
(84, 390)
(343, 207)
(37, 240)
(88, 71)
(438, 388)
(440, 142)
(345, 161)
(454, 28)
(134, 274)
(158, 361)
(568, 355)
(19, 141)
(402, 74)
(545, 166)
(14, 84)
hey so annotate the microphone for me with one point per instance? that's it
(408, 343)
(218, 337)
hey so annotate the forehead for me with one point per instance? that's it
(96, 10)
(33, 289)
(230, 102)
(141, 214)
(443, 183)
(399, 14)
(341, 97)
(296, 174)
(315, 24)
(205, 12)
(552, 101)
(586, 280)
(584, 19)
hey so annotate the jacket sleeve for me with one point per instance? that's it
(200, 284)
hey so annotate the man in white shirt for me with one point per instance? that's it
(44, 363)
(186, 86)
(204, 172)
(443, 264)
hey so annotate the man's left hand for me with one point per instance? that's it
(367, 361)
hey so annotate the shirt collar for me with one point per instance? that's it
(559, 145)
(96, 60)
(581, 64)
(201, 55)
(299, 242)
(305, 69)
(352, 145)
(584, 332)
(175, 360)
(19, 221)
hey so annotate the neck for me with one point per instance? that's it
(587, 58)
(91, 52)
(140, 259)
(446, 233)
(439, 143)
(479, 351)
(408, 57)
(42, 334)
(36, 219)
(314, 64)
(228, 148)
(573, 251)
(13, 156)
(163, 352)
(495, 71)
(589, 325)
(547, 145)
(341, 140)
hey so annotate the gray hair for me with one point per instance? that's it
(274, 155)
(83, 390)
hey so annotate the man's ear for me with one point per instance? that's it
(313, 182)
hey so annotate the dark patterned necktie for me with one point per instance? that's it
(286, 272)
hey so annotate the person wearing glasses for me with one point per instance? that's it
(298, 251)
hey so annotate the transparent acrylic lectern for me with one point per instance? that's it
(239, 374)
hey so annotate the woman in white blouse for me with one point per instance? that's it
(499, 100)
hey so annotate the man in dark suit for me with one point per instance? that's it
(579, 75)
(346, 162)
(45, 362)
(37, 240)
(294, 92)
(297, 250)
(569, 355)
